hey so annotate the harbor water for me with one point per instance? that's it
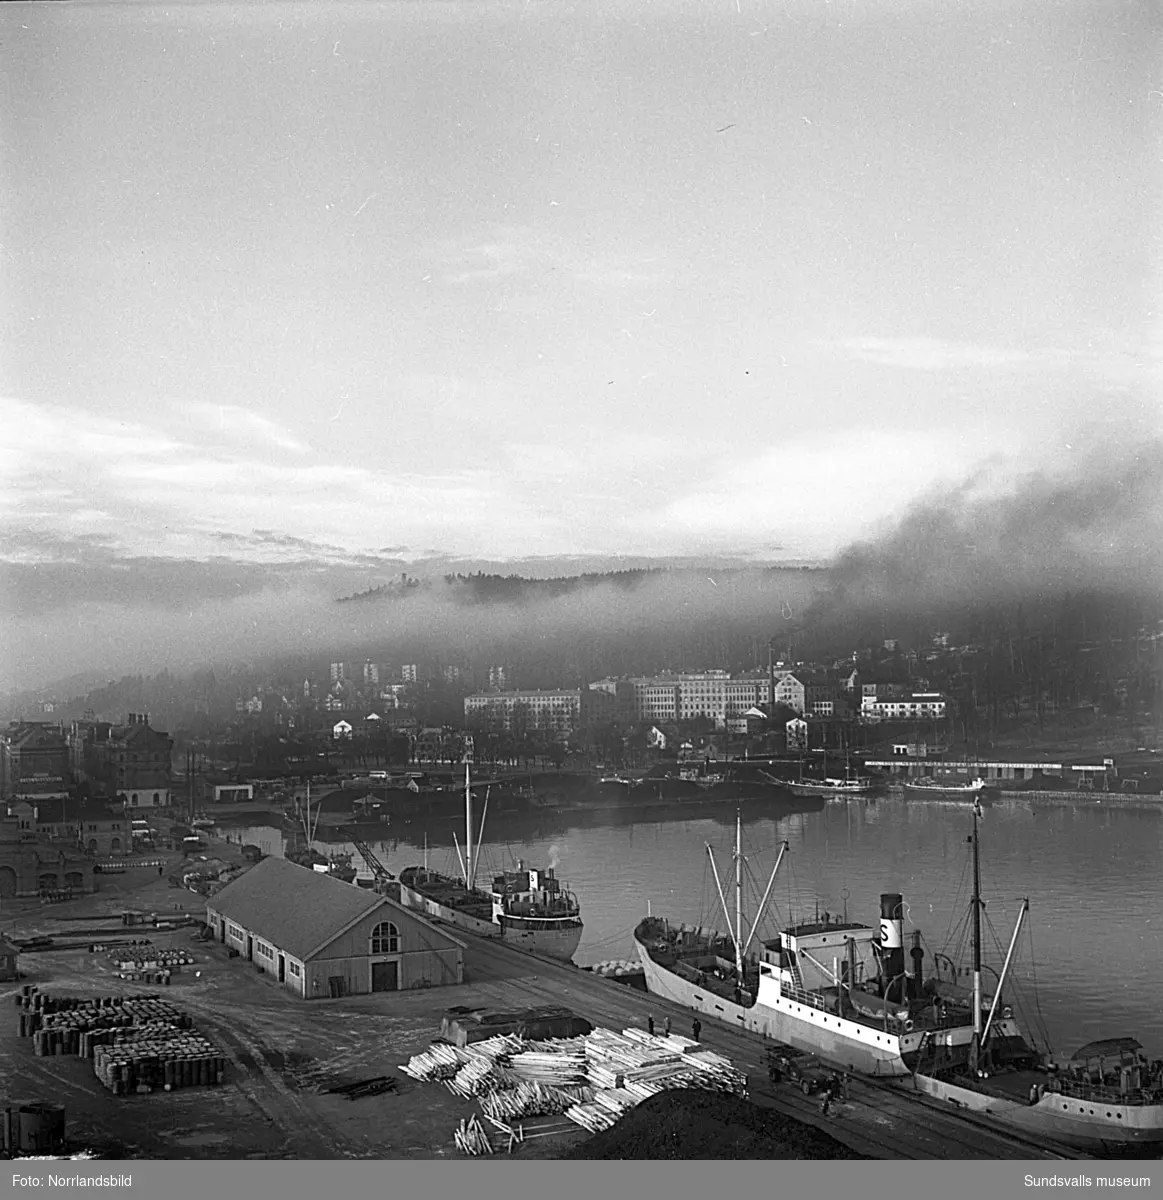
(1089, 963)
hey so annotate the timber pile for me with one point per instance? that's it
(533, 1100)
(471, 1138)
(592, 1080)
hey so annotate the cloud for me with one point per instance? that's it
(1112, 355)
(809, 490)
(932, 354)
(1091, 519)
(243, 424)
(530, 256)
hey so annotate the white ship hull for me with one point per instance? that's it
(1093, 1126)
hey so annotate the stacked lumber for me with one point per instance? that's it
(471, 1138)
(476, 1076)
(438, 1062)
(533, 1100)
(592, 1117)
(554, 1069)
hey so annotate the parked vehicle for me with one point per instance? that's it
(787, 1064)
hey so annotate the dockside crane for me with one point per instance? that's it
(380, 873)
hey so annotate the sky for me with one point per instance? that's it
(366, 284)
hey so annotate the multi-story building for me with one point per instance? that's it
(132, 760)
(410, 673)
(371, 673)
(557, 711)
(499, 678)
(923, 706)
(790, 691)
(34, 760)
(338, 671)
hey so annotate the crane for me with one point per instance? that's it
(381, 874)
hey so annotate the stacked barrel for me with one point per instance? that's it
(137, 1043)
(142, 960)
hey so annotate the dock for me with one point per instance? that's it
(883, 1120)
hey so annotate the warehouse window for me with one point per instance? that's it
(235, 932)
(385, 939)
(294, 969)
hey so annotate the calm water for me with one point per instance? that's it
(1093, 941)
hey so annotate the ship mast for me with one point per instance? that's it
(976, 1047)
(468, 872)
(739, 896)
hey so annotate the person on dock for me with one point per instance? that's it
(650, 1024)
(666, 1026)
(696, 1028)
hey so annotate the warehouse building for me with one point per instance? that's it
(322, 938)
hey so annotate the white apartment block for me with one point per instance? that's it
(713, 694)
(923, 706)
(558, 711)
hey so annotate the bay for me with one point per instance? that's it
(1089, 963)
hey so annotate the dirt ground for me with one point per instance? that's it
(282, 1050)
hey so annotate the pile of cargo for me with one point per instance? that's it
(592, 1080)
(137, 1043)
(142, 960)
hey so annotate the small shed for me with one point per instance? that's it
(8, 956)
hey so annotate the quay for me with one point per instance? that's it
(286, 1053)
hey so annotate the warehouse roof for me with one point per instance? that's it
(298, 910)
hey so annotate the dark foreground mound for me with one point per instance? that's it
(692, 1124)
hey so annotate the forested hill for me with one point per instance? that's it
(484, 588)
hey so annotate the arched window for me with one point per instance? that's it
(156, 797)
(385, 939)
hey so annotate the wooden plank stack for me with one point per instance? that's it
(439, 1062)
(533, 1100)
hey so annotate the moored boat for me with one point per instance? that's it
(1106, 1099)
(930, 785)
(527, 907)
(841, 989)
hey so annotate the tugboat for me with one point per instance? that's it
(528, 907)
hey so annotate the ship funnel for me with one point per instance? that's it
(892, 936)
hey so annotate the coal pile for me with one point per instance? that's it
(708, 1125)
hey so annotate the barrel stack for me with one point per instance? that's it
(137, 1043)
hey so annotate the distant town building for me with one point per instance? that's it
(34, 761)
(341, 730)
(557, 711)
(338, 672)
(921, 706)
(132, 760)
(410, 673)
(371, 673)
(499, 678)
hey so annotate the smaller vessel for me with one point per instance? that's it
(1106, 1099)
(852, 784)
(528, 907)
(930, 785)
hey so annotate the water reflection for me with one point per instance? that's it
(1096, 919)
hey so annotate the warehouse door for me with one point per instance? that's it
(249, 948)
(282, 969)
(386, 976)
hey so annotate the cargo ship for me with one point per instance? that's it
(528, 907)
(838, 988)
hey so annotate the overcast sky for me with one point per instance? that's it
(524, 279)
